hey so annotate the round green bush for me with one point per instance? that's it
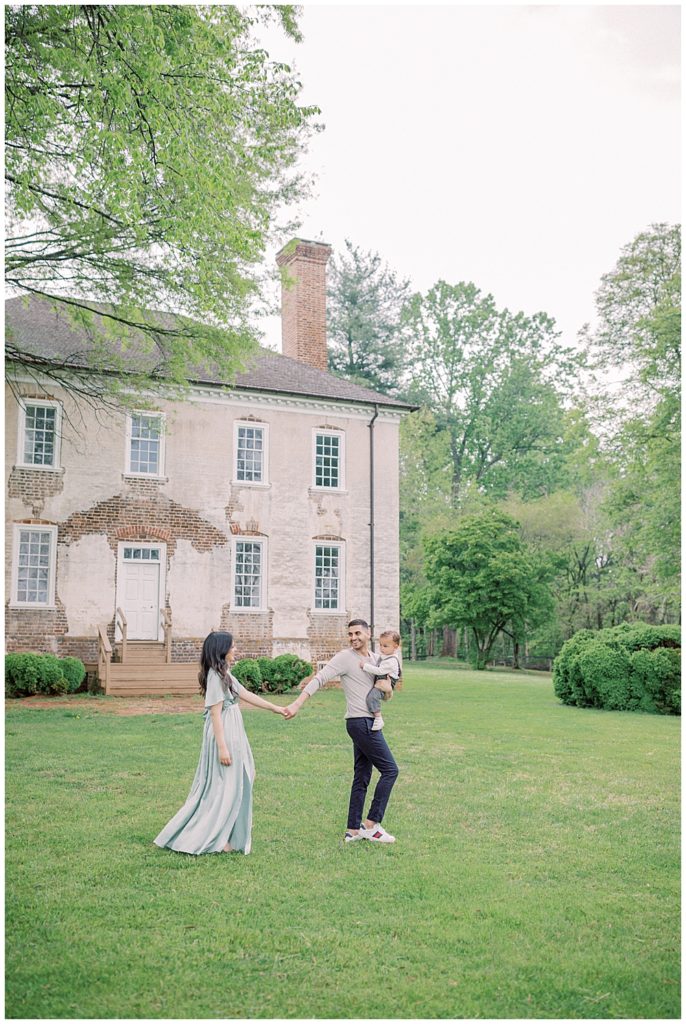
(632, 667)
(247, 672)
(270, 682)
(27, 674)
(289, 670)
(74, 671)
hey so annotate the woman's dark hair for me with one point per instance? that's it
(214, 650)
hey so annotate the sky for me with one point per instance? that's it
(518, 147)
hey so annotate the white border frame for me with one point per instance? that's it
(162, 587)
(160, 475)
(321, 431)
(248, 539)
(21, 434)
(342, 562)
(52, 574)
(264, 427)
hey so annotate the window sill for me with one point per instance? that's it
(14, 605)
(251, 483)
(146, 476)
(40, 469)
(329, 490)
(327, 611)
(248, 611)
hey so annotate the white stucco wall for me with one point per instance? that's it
(85, 571)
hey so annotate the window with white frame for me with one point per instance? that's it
(34, 565)
(146, 438)
(327, 577)
(39, 434)
(250, 453)
(328, 448)
(248, 574)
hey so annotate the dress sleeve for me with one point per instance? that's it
(215, 691)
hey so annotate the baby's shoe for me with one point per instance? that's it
(378, 724)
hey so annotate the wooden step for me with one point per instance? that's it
(141, 652)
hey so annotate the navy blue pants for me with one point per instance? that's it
(371, 751)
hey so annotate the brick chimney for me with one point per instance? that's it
(303, 301)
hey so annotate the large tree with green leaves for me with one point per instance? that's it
(364, 312)
(481, 576)
(148, 149)
(495, 381)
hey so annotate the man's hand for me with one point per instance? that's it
(291, 711)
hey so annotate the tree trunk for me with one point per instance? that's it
(413, 641)
(449, 648)
(515, 656)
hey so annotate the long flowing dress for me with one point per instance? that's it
(219, 806)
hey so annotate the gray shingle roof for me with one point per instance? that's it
(39, 327)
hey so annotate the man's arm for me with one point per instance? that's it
(331, 670)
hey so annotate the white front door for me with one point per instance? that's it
(140, 591)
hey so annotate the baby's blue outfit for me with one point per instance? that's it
(219, 806)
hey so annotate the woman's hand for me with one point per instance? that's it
(224, 756)
(278, 710)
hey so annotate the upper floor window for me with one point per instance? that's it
(327, 577)
(39, 434)
(328, 459)
(33, 570)
(145, 453)
(251, 451)
(248, 573)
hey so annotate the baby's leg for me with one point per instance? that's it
(384, 686)
(374, 698)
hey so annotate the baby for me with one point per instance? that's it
(389, 666)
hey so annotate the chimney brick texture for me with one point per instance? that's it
(303, 301)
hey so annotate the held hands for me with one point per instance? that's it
(291, 711)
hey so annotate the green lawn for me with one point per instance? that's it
(535, 874)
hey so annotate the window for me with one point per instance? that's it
(248, 574)
(39, 434)
(250, 449)
(34, 565)
(142, 554)
(327, 577)
(328, 460)
(145, 444)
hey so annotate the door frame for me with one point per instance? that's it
(162, 589)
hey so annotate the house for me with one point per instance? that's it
(268, 508)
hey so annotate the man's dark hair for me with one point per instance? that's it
(358, 622)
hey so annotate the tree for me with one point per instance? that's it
(364, 311)
(148, 149)
(494, 381)
(482, 577)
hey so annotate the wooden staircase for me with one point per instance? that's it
(142, 668)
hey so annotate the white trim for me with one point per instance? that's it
(264, 427)
(161, 546)
(160, 474)
(340, 544)
(247, 539)
(327, 432)
(51, 403)
(52, 568)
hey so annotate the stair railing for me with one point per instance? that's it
(104, 658)
(121, 622)
(167, 627)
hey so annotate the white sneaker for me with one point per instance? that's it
(376, 834)
(350, 837)
(378, 724)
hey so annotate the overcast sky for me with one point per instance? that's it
(518, 147)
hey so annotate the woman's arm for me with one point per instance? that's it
(258, 702)
(223, 750)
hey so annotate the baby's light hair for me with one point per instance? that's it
(395, 637)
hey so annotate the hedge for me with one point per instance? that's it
(632, 667)
(272, 675)
(27, 674)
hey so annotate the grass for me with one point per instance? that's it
(535, 875)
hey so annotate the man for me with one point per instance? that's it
(369, 747)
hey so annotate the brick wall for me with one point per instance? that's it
(303, 301)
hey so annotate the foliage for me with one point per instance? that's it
(481, 576)
(628, 667)
(247, 672)
(364, 311)
(27, 674)
(148, 148)
(494, 381)
(289, 670)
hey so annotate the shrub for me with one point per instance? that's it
(27, 674)
(270, 683)
(74, 671)
(634, 666)
(247, 672)
(289, 669)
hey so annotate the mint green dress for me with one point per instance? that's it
(219, 806)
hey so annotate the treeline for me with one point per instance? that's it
(539, 482)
